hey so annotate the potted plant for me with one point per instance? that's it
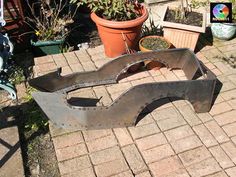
(50, 22)
(150, 43)
(225, 31)
(152, 40)
(119, 23)
(182, 25)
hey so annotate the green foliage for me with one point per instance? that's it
(195, 4)
(16, 75)
(28, 97)
(233, 10)
(183, 10)
(118, 10)
(178, 14)
(152, 29)
(66, 48)
(50, 19)
(34, 117)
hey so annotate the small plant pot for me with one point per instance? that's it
(153, 46)
(113, 33)
(223, 31)
(42, 48)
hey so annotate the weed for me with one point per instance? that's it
(16, 75)
(66, 48)
(152, 28)
(35, 119)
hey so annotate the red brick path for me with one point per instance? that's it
(171, 141)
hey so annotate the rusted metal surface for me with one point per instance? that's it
(110, 72)
(126, 108)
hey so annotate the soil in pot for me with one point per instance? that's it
(192, 18)
(155, 43)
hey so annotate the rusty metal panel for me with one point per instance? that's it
(126, 108)
(110, 72)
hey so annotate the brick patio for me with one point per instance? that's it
(170, 141)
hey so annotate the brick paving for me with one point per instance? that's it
(10, 153)
(11, 163)
(170, 141)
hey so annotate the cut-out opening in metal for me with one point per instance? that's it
(124, 110)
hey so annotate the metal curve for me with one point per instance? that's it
(124, 110)
(110, 72)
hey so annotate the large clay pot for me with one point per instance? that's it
(110, 33)
(223, 31)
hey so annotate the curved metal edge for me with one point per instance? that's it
(109, 73)
(126, 108)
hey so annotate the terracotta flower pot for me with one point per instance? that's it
(152, 64)
(110, 33)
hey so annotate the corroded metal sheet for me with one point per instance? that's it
(110, 72)
(126, 108)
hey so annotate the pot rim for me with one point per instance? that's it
(121, 24)
(49, 42)
(228, 24)
(153, 36)
(181, 26)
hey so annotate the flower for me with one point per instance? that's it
(37, 33)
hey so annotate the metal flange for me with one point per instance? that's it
(126, 108)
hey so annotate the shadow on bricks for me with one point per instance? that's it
(217, 91)
(10, 117)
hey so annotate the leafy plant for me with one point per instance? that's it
(50, 19)
(233, 10)
(28, 97)
(150, 29)
(16, 75)
(117, 10)
(35, 119)
(183, 10)
(66, 48)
